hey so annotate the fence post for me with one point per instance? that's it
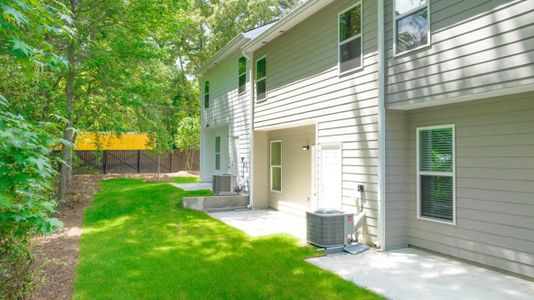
(138, 161)
(172, 155)
(105, 158)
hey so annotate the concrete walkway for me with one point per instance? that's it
(193, 186)
(415, 274)
(264, 222)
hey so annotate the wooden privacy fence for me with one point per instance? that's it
(137, 161)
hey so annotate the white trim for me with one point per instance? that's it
(259, 79)
(340, 43)
(444, 174)
(276, 166)
(381, 235)
(219, 153)
(206, 94)
(241, 74)
(320, 158)
(250, 83)
(396, 18)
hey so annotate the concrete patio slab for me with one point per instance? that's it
(264, 222)
(193, 186)
(415, 274)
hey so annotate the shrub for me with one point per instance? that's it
(26, 193)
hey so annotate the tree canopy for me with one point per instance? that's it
(101, 66)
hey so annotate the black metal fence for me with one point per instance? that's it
(136, 161)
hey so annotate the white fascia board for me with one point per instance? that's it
(295, 17)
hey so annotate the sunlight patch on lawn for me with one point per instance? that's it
(139, 243)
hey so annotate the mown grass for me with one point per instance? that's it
(137, 243)
(186, 179)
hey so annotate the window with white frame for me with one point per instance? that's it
(412, 28)
(242, 74)
(218, 153)
(436, 179)
(350, 38)
(261, 78)
(206, 94)
(276, 166)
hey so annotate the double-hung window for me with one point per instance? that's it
(218, 153)
(206, 94)
(261, 78)
(436, 179)
(242, 74)
(411, 25)
(276, 166)
(350, 38)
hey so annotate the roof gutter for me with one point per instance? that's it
(381, 129)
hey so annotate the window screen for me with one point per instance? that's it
(350, 39)
(218, 153)
(261, 79)
(242, 73)
(206, 94)
(436, 172)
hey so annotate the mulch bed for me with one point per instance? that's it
(57, 254)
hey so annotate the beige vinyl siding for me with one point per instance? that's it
(228, 109)
(296, 170)
(476, 47)
(304, 86)
(397, 183)
(495, 183)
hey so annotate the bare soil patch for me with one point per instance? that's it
(57, 254)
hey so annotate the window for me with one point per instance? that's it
(206, 94)
(261, 78)
(276, 166)
(242, 74)
(218, 153)
(436, 179)
(411, 25)
(350, 39)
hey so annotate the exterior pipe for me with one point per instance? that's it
(250, 65)
(381, 129)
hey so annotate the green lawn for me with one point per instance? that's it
(137, 243)
(187, 179)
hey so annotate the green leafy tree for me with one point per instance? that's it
(187, 138)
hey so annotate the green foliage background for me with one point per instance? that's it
(101, 66)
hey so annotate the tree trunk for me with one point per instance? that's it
(68, 134)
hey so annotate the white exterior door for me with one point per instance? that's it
(330, 177)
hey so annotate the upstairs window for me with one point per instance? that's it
(261, 78)
(242, 74)
(350, 38)
(206, 94)
(411, 25)
(436, 173)
(218, 153)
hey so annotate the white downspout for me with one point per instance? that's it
(381, 129)
(249, 58)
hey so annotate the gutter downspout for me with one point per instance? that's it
(381, 129)
(250, 65)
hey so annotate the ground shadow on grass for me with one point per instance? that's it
(139, 243)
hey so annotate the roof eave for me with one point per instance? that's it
(295, 17)
(235, 44)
